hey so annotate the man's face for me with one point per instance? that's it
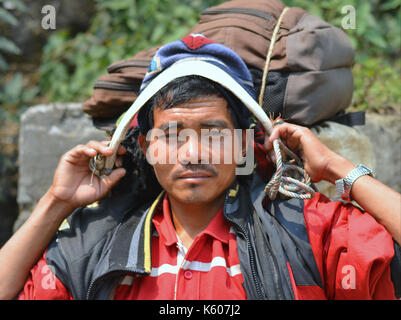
(194, 171)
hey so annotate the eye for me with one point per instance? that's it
(215, 133)
(170, 134)
(171, 138)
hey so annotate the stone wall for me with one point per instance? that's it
(384, 133)
(377, 144)
(47, 131)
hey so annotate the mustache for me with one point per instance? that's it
(194, 168)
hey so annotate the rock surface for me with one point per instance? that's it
(377, 145)
(46, 133)
(349, 142)
(384, 133)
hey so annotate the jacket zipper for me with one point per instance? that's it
(276, 277)
(252, 12)
(89, 293)
(108, 85)
(251, 258)
(127, 64)
(122, 270)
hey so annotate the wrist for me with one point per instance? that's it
(338, 168)
(55, 209)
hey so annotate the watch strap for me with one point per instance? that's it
(343, 186)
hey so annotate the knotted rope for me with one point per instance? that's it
(290, 178)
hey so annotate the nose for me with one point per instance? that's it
(189, 150)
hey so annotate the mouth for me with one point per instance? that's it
(195, 176)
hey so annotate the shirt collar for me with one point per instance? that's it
(163, 223)
(218, 227)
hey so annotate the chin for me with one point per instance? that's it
(194, 193)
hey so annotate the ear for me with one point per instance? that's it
(244, 143)
(143, 144)
(242, 136)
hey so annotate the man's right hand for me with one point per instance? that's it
(71, 189)
(72, 180)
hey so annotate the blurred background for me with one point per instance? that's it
(40, 66)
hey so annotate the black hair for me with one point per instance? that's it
(182, 90)
(140, 173)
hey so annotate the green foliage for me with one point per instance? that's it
(6, 17)
(15, 97)
(377, 85)
(121, 28)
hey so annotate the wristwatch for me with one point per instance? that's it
(343, 186)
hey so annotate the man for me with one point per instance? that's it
(208, 234)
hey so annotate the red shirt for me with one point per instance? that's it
(209, 269)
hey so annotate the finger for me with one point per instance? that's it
(119, 162)
(80, 152)
(121, 150)
(89, 152)
(107, 182)
(278, 132)
(100, 147)
(298, 137)
(285, 131)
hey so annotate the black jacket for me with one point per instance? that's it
(100, 245)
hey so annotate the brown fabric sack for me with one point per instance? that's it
(115, 91)
(309, 75)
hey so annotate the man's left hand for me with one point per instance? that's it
(319, 161)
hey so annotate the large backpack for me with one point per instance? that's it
(302, 63)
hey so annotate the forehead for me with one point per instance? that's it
(194, 111)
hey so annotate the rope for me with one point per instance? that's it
(290, 178)
(269, 54)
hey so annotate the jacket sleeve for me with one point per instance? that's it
(354, 253)
(42, 284)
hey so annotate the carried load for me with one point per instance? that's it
(300, 64)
